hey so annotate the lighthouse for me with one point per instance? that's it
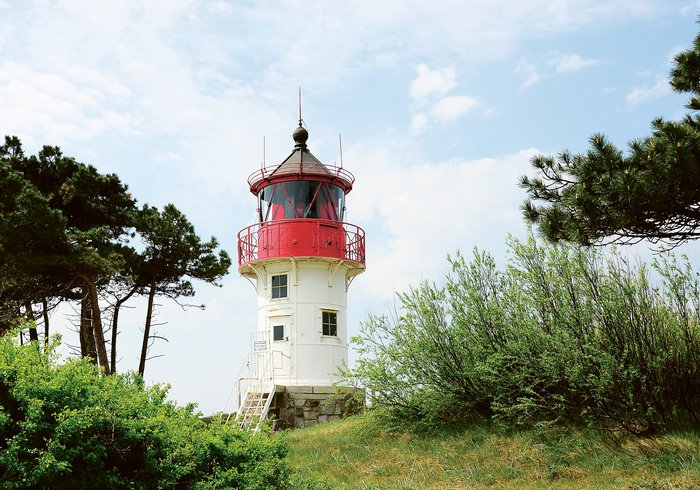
(301, 256)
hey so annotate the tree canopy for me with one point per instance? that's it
(606, 195)
(71, 222)
(32, 235)
(174, 254)
(68, 233)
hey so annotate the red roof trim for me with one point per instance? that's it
(302, 171)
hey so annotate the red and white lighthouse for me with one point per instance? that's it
(301, 257)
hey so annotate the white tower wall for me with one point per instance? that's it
(304, 355)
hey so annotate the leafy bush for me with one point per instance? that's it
(65, 426)
(562, 334)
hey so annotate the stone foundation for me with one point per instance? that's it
(306, 406)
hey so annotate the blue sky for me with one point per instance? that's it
(440, 106)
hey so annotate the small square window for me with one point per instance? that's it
(330, 323)
(278, 332)
(279, 286)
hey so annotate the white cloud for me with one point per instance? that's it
(432, 82)
(419, 123)
(450, 108)
(52, 108)
(528, 73)
(565, 63)
(220, 7)
(689, 9)
(639, 95)
(434, 209)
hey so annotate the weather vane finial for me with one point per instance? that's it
(300, 134)
(300, 119)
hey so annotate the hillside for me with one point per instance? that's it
(362, 452)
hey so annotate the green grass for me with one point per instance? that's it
(363, 453)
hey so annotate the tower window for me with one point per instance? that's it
(330, 323)
(279, 286)
(278, 332)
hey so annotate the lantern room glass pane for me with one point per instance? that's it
(301, 199)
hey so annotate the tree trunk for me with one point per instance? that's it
(46, 320)
(100, 345)
(115, 322)
(33, 335)
(147, 327)
(87, 338)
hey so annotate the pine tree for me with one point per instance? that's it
(174, 254)
(605, 195)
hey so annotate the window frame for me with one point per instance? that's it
(329, 323)
(275, 330)
(279, 288)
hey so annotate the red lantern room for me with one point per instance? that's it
(301, 208)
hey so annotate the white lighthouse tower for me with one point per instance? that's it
(301, 257)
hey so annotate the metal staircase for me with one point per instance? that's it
(254, 405)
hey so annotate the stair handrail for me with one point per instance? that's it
(237, 388)
(263, 384)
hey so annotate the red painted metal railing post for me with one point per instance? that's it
(294, 237)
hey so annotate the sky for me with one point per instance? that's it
(440, 106)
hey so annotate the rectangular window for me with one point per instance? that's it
(279, 286)
(278, 332)
(330, 323)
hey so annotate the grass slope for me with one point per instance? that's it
(362, 452)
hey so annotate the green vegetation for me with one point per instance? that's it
(364, 452)
(66, 426)
(650, 193)
(570, 367)
(562, 335)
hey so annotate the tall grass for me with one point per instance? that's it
(365, 452)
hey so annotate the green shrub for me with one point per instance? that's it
(66, 426)
(562, 334)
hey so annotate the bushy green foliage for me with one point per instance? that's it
(66, 426)
(562, 334)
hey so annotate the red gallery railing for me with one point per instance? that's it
(297, 170)
(301, 238)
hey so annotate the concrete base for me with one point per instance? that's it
(305, 406)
